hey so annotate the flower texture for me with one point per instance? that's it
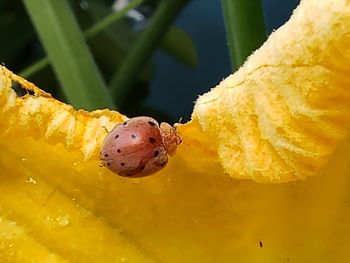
(280, 121)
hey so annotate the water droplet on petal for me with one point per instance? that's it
(30, 180)
(63, 220)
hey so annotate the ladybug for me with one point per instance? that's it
(139, 147)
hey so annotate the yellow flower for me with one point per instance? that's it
(279, 119)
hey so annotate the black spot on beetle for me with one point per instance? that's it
(119, 151)
(106, 155)
(142, 167)
(261, 244)
(125, 123)
(108, 164)
(133, 136)
(151, 123)
(156, 153)
(152, 140)
(116, 137)
(122, 164)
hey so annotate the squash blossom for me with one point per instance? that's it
(262, 174)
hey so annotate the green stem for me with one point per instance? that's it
(245, 28)
(144, 47)
(34, 68)
(110, 19)
(68, 52)
(88, 33)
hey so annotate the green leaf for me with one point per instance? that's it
(245, 28)
(68, 53)
(106, 20)
(179, 44)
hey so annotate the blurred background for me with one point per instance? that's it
(153, 58)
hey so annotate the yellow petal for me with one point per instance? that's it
(279, 118)
(58, 205)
